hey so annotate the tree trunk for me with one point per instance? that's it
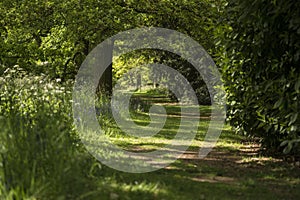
(105, 82)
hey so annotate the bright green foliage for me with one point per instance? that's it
(54, 36)
(260, 63)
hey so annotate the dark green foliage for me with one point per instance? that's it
(261, 70)
(190, 73)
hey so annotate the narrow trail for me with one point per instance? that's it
(236, 162)
(234, 169)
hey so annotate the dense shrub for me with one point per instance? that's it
(260, 63)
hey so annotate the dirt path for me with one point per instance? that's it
(235, 164)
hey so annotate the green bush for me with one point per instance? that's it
(260, 62)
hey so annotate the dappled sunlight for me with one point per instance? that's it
(235, 161)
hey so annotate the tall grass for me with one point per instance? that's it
(39, 155)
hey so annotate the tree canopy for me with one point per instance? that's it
(255, 44)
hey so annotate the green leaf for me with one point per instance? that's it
(297, 85)
(284, 143)
(278, 103)
(288, 148)
(268, 85)
(293, 128)
(293, 118)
